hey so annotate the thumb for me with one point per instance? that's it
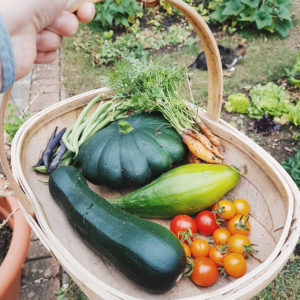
(45, 12)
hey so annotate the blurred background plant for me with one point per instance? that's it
(114, 13)
(293, 75)
(268, 15)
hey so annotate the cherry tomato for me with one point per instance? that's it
(181, 223)
(221, 236)
(205, 272)
(217, 255)
(239, 224)
(242, 207)
(235, 264)
(239, 243)
(206, 222)
(224, 209)
(187, 250)
(199, 248)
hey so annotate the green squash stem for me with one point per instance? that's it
(124, 127)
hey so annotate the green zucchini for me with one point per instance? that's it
(146, 252)
(183, 190)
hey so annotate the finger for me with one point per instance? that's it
(48, 41)
(45, 57)
(66, 24)
(86, 12)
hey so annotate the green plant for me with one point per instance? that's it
(270, 98)
(103, 49)
(124, 46)
(294, 74)
(237, 103)
(269, 15)
(14, 121)
(295, 136)
(201, 8)
(113, 13)
(292, 166)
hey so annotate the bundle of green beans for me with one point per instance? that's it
(139, 86)
(85, 127)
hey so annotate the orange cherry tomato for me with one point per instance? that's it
(242, 207)
(239, 224)
(215, 253)
(235, 264)
(205, 271)
(221, 236)
(224, 209)
(187, 249)
(239, 243)
(199, 248)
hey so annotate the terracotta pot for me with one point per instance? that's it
(149, 3)
(10, 269)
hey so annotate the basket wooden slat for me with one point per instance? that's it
(273, 196)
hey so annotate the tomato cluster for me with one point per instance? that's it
(231, 244)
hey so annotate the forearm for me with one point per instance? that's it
(8, 71)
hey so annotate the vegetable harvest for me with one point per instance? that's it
(140, 86)
(127, 241)
(186, 189)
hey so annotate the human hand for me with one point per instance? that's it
(36, 29)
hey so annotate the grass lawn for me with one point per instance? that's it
(267, 58)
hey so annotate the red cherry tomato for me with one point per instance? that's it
(205, 271)
(206, 222)
(181, 223)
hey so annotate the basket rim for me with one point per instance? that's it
(75, 267)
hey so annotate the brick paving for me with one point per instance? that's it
(41, 274)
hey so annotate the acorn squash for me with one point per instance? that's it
(131, 151)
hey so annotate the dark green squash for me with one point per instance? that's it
(146, 252)
(130, 152)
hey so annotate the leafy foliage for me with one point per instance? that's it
(294, 74)
(266, 125)
(113, 13)
(238, 103)
(271, 15)
(201, 8)
(269, 99)
(147, 86)
(123, 46)
(14, 122)
(292, 166)
(104, 49)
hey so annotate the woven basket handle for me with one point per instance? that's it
(212, 55)
(215, 85)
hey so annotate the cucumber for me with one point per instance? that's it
(186, 189)
(146, 252)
